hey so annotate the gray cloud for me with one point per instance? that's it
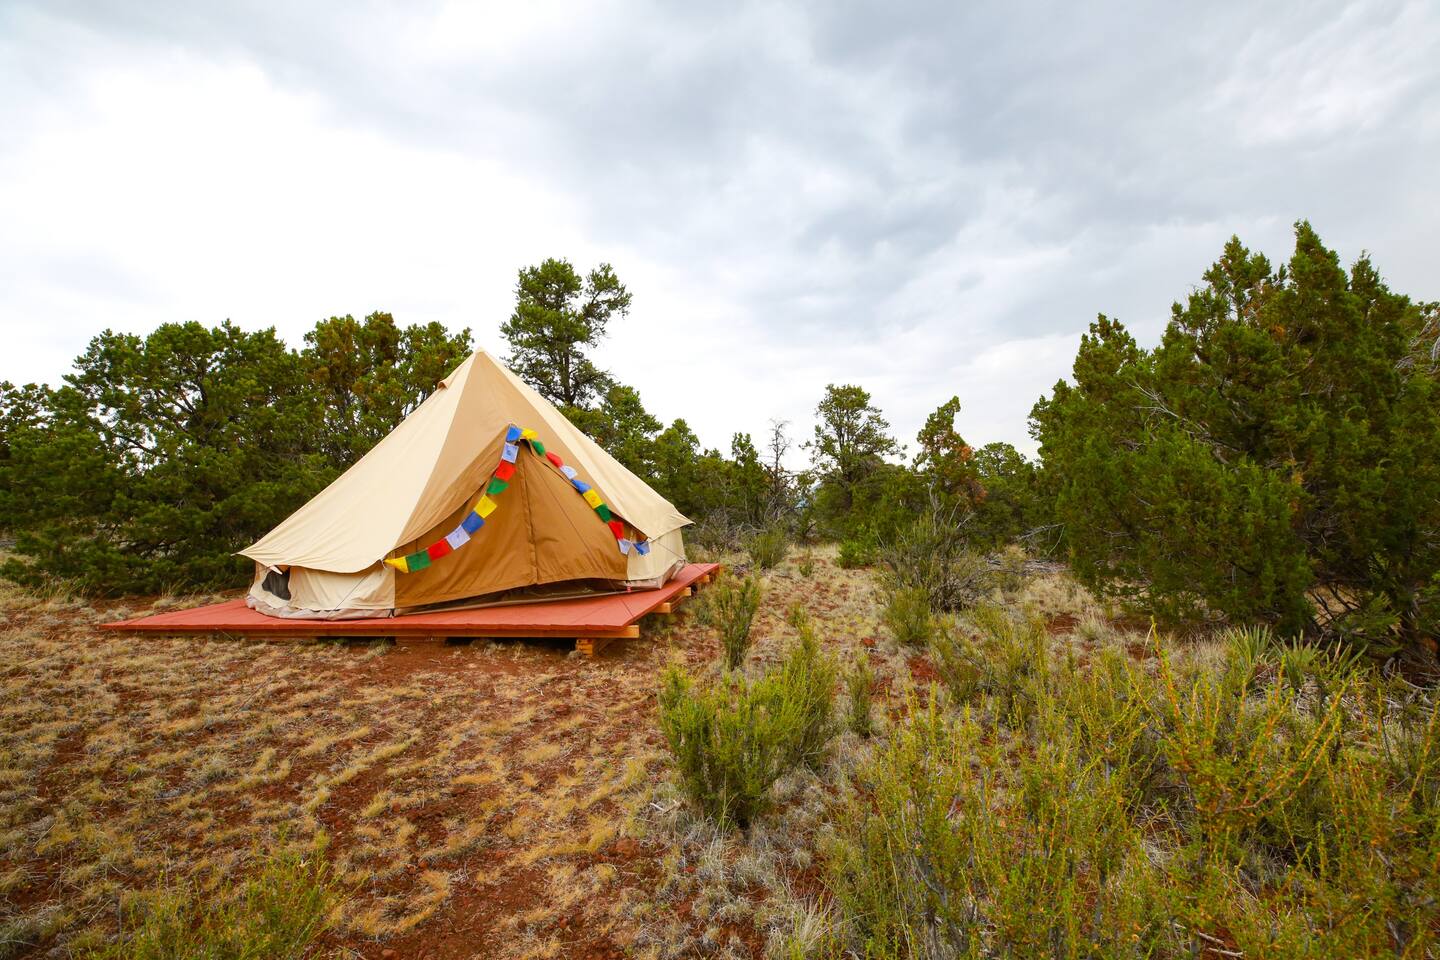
(905, 196)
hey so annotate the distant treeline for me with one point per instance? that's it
(1275, 458)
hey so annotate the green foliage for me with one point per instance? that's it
(859, 681)
(806, 566)
(1012, 506)
(931, 554)
(908, 615)
(732, 740)
(1276, 458)
(1283, 804)
(860, 550)
(369, 375)
(274, 914)
(731, 607)
(849, 446)
(806, 680)
(946, 461)
(767, 548)
(558, 317)
(161, 457)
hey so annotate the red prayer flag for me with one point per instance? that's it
(438, 549)
(554, 458)
(617, 528)
(506, 470)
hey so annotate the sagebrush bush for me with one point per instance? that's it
(908, 616)
(806, 680)
(933, 556)
(728, 742)
(731, 607)
(275, 913)
(859, 680)
(731, 741)
(858, 551)
(1157, 803)
(767, 548)
(806, 566)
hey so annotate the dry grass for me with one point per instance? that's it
(508, 790)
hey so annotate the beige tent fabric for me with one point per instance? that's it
(417, 484)
(439, 455)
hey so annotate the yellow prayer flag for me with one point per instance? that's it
(399, 564)
(592, 498)
(485, 507)
(528, 434)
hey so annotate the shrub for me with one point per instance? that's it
(806, 566)
(930, 554)
(806, 680)
(861, 550)
(908, 616)
(728, 743)
(731, 609)
(1149, 809)
(277, 912)
(1009, 569)
(732, 741)
(1237, 468)
(858, 681)
(767, 548)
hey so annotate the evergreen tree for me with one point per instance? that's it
(850, 444)
(558, 317)
(371, 374)
(1276, 457)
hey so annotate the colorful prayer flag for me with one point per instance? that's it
(604, 511)
(643, 547)
(399, 564)
(505, 470)
(438, 549)
(617, 528)
(554, 458)
(593, 498)
(457, 538)
(512, 434)
(485, 507)
(625, 546)
(472, 522)
(496, 486)
(568, 471)
(538, 447)
(581, 486)
(527, 434)
(417, 561)
(509, 453)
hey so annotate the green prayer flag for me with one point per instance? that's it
(538, 447)
(417, 561)
(496, 486)
(604, 512)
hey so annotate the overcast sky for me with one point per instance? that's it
(926, 200)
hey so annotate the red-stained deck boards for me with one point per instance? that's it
(613, 616)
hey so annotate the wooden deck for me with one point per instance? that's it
(593, 622)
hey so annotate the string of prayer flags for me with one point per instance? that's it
(496, 485)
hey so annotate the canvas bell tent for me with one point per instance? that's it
(486, 493)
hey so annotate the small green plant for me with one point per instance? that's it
(806, 566)
(797, 616)
(276, 912)
(859, 680)
(909, 617)
(860, 550)
(932, 553)
(727, 741)
(731, 741)
(806, 680)
(767, 548)
(732, 608)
